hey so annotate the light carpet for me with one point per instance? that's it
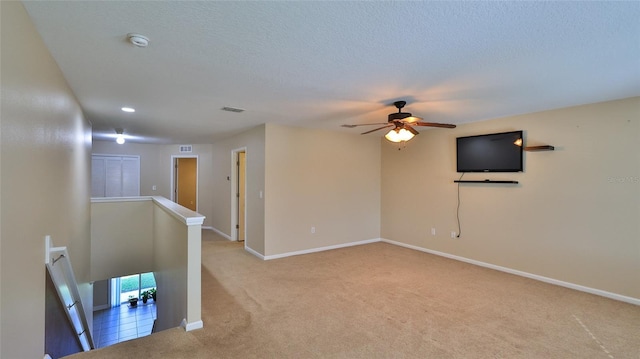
(383, 301)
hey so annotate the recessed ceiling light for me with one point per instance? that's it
(128, 109)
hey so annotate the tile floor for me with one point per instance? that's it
(119, 324)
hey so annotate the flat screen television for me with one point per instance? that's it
(495, 152)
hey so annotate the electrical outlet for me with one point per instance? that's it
(453, 234)
(433, 231)
(313, 230)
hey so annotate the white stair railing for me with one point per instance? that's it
(59, 266)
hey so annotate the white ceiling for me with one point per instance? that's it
(322, 64)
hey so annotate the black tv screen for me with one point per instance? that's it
(496, 152)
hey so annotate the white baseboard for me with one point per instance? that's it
(599, 292)
(569, 285)
(246, 248)
(321, 249)
(221, 233)
(101, 307)
(191, 326)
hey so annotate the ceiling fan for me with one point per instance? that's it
(402, 123)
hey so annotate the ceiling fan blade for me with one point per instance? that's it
(412, 119)
(379, 128)
(364, 124)
(433, 124)
(411, 129)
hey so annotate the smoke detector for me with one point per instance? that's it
(138, 40)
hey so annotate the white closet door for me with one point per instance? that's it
(115, 176)
(98, 176)
(130, 176)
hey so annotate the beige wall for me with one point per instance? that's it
(101, 294)
(254, 142)
(45, 161)
(155, 169)
(321, 179)
(170, 257)
(121, 238)
(573, 217)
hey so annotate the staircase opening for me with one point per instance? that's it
(123, 320)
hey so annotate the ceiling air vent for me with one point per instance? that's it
(232, 109)
(186, 148)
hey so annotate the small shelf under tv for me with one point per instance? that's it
(539, 148)
(484, 181)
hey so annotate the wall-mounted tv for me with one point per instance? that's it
(495, 152)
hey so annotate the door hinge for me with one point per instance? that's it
(238, 195)
(237, 226)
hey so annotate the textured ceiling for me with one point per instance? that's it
(322, 64)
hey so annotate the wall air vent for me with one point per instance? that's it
(186, 148)
(232, 109)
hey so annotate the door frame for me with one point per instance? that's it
(234, 191)
(173, 174)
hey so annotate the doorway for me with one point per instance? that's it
(123, 288)
(185, 181)
(239, 188)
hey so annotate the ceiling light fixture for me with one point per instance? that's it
(120, 136)
(128, 109)
(403, 124)
(138, 40)
(399, 135)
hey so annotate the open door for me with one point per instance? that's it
(185, 180)
(238, 194)
(242, 166)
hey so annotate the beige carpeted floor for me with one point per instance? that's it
(384, 301)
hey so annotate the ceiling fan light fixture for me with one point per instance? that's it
(397, 116)
(399, 135)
